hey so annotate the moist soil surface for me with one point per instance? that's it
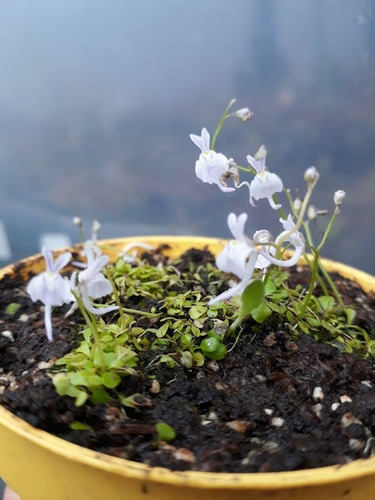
(275, 403)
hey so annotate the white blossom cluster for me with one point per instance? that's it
(242, 255)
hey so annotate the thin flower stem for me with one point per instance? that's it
(117, 299)
(327, 231)
(221, 123)
(312, 284)
(141, 313)
(92, 324)
(244, 169)
(324, 272)
(320, 281)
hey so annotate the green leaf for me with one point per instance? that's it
(110, 380)
(198, 359)
(12, 308)
(165, 432)
(81, 398)
(261, 313)
(218, 354)
(209, 344)
(326, 302)
(251, 298)
(197, 311)
(303, 327)
(100, 396)
(79, 426)
(350, 315)
(313, 321)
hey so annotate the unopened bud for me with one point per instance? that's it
(311, 175)
(96, 226)
(297, 204)
(77, 221)
(244, 114)
(338, 197)
(311, 212)
(232, 103)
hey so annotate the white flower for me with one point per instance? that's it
(92, 283)
(294, 237)
(212, 167)
(265, 184)
(238, 257)
(50, 287)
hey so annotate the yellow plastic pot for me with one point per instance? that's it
(40, 466)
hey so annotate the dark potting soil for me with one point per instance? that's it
(275, 403)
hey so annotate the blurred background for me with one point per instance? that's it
(97, 100)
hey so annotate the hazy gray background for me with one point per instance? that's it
(97, 100)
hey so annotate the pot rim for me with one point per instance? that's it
(256, 480)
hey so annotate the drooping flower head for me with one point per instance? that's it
(50, 287)
(212, 167)
(265, 184)
(238, 257)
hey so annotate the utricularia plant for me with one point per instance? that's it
(252, 259)
(188, 315)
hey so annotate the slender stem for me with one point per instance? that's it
(141, 313)
(320, 281)
(221, 123)
(312, 283)
(331, 284)
(327, 231)
(244, 169)
(117, 298)
(92, 324)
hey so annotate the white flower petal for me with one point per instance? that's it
(237, 226)
(48, 322)
(240, 287)
(202, 141)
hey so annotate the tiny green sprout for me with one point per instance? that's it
(12, 308)
(165, 432)
(79, 426)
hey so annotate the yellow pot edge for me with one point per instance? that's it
(127, 468)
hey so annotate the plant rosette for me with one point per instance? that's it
(175, 366)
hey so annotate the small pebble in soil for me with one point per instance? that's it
(367, 383)
(8, 335)
(318, 394)
(277, 422)
(345, 399)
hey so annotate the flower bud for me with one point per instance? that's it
(77, 221)
(297, 204)
(338, 197)
(96, 226)
(311, 175)
(244, 114)
(311, 212)
(232, 103)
